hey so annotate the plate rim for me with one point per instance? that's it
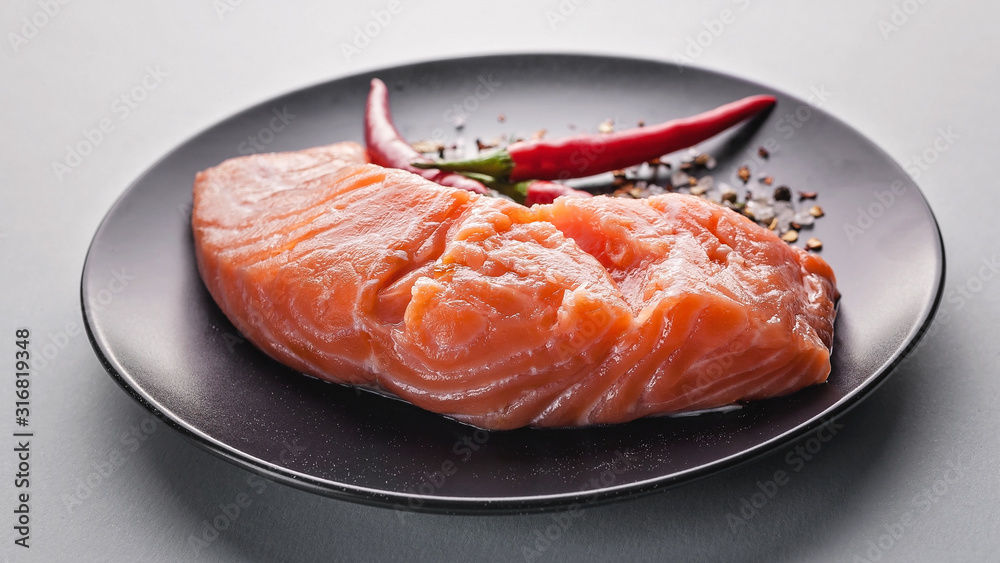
(442, 504)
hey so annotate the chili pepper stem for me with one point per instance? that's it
(497, 165)
(518, 192)
(528, 192)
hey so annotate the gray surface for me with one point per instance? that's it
(938, 71)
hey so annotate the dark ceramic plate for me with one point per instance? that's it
(162, 338)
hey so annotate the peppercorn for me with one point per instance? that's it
(744, 173)
(790, 236)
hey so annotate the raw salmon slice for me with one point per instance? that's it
(584, 311)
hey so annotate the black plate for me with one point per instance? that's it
(162, 338)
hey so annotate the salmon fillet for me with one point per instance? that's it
(580, 312)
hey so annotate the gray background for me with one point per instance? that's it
(934, 70)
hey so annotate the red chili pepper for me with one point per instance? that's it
(386, 147)
(585, 155)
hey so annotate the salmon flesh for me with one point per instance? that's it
(579, 312)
